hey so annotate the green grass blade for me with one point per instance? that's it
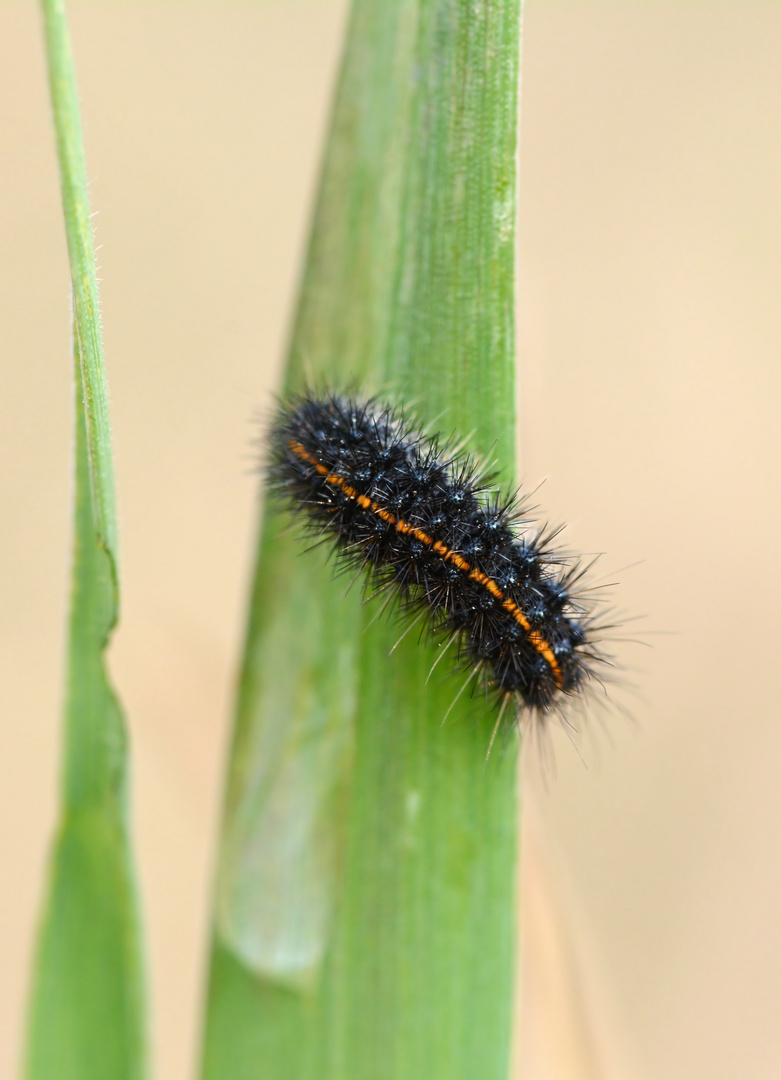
(87, 1006)
(365, 899)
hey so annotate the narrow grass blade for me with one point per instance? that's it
(365, 901)
(87, 1006)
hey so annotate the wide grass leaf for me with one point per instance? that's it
(365, 916)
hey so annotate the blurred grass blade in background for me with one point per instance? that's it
(87, 1005)
(365, 908)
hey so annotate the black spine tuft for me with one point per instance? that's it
(419, 518)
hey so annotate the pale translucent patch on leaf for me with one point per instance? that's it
(281, 848)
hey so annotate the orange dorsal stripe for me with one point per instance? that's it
(536, 640)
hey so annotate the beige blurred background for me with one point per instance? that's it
(650, 334)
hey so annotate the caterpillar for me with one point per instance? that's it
(424, 519)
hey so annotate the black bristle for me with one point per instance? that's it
(420, 518)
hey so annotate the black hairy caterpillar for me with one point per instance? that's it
(424, 519)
